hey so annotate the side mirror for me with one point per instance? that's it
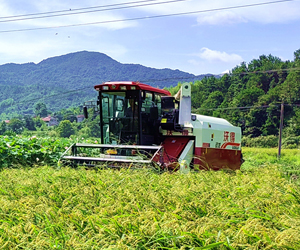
(85, 112)
(167, 103)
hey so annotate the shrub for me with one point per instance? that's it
(22, 151)
(65, 129)
(291, 142)
(270, 141)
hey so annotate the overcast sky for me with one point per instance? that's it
(207, 41)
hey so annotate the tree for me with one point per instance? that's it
(29, 122)
(290, 89)
(199, 94)
(297, 56)
(40, 109)
(95, 128)
(69, 116)
(247, 97)
(16, 125)
(272, 123)
(224, 83)
(214, 100)
(65, 129)
(293, 127)
(38, 122)
(2, 128)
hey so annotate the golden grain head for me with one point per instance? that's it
(254, 208)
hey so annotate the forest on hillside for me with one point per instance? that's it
(67, 81)
(252, 94)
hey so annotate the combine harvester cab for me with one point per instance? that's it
(129, 125)
(140, 125)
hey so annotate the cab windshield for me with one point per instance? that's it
(130, 117)
(120, 118)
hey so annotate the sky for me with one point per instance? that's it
(195, 36)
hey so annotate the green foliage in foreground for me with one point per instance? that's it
(16, 151)
(22, 151)
(43, 208)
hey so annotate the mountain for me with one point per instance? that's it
(68, 80)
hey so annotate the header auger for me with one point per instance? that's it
(140, 125)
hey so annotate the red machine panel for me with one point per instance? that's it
(216, 159)
(172, 148)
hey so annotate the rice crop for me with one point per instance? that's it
(48, 208)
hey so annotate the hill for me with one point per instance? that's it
(23, 85)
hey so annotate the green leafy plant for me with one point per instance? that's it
(28, 151)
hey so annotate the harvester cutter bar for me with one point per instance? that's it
(89, 145)
(79, 158)
(109, 158)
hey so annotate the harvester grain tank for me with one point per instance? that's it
(141, 124)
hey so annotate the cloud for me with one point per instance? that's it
(269, 13)
(213, 61)
(218, 56)
(35, 48)
(101, 19)
(210, 12)
(226, 17)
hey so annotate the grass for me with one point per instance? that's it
(288, 164)
(261, 156)
(255, 208)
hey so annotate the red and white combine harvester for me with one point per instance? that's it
(142, 125)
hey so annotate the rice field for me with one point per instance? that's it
(255, 208)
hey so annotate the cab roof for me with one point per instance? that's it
(114, 86)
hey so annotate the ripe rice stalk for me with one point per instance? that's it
(255, 208)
